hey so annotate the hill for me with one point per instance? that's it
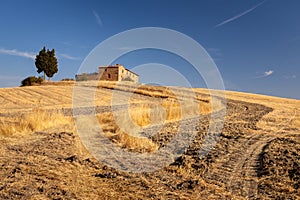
(42, 155)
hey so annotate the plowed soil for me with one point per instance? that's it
(253, 159)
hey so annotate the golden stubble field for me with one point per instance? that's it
(256, 154)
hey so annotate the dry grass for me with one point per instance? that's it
(60, 167)
(123, 127)
(122, 139)
(285, 116)
(175, 93)
(60, 95)
(141, 115)
(132, 143)
(146, 114)
(166, 106)
(48, 97)
(36, 120)
(59, 83)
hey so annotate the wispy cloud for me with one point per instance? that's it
(289, 76)
(14, 52)
(265, 74)
(68, 56)
(98, 19)
(31, 55)
(239, 15)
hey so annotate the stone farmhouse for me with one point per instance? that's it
(110, 73)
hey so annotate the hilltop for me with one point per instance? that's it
(256, 155)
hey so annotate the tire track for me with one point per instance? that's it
(244, 176)
(234, 163)
(237, 170)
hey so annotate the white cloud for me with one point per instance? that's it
(265, 74)
(268, 73)
(239, 15)
(68, 56)
(99, 21)
(14, 52)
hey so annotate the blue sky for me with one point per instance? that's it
(255, 44)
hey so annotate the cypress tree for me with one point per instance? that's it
(46, 62)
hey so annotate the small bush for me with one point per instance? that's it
(32, 80)
(67, 79)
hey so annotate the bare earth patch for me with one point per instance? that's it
(256, 155)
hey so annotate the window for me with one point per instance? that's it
(108, 75)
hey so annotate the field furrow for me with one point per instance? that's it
(254, 156)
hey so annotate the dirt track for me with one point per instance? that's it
(55, 165)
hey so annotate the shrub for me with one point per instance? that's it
(31, 80)
(67, 79)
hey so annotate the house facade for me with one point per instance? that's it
(110, 73)
(117, 73)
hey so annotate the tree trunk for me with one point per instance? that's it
(44, 76)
